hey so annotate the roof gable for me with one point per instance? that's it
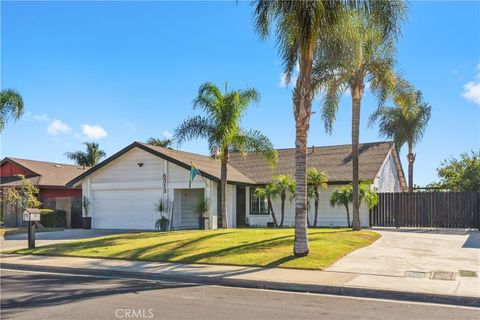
(209, 168)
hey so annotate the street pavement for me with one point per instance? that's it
(34, 295)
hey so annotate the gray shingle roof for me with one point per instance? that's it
(334, 160)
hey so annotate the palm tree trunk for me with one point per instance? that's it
(302, 106)
(223, 193)
(357, 92)
(348, 216)
(411, 160)
(316, 209)
(270, 209)
(282, 210)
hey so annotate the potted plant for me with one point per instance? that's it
(162, 223)
(86, 220)
(202, 210)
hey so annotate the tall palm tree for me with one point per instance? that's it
(11, 106)
(90, 158)
(343, 196)
(165, 143)
(284, 184)
(298, 26)
(369, 56)
(404, 124)
(316, 180)
(269, 191)
(221, 128)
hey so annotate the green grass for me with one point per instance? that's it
(6, 231)
(246, 247)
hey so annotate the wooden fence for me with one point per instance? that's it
(427, 210)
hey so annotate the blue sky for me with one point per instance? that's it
(122, 71)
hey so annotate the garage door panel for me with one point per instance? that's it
(122, 209)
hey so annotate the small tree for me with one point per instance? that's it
(24, 196)
(283, 184)
(202, 208)
(270, 192)
(86, 205)
(461, 174)
(316, 180)
(343, 196)
(162, 223)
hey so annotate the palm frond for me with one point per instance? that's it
(193, 128)
(11, 106)
(254, 140)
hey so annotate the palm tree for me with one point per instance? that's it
(404, 124)
(11, 106)
(368, 56)
(221, 127)
(343, 196)
(165, 143)
(316, 180)
(298, 26)
(269, 192)
(284, 184)
(90, 158)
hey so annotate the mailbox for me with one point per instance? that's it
(31, 214)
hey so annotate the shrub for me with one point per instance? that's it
(53, 218)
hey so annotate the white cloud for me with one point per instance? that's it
(57, 127)
(93, 132)
(42, 117)
(471, 90)
(167, 134)
(283, 81)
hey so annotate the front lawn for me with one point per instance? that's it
(246, 247)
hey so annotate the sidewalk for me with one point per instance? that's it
(461, 291)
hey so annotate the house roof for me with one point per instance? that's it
(208, 167)
(44, 174)
(336, 161)
(251, 168)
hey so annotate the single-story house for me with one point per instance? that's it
(124, 189)
(50, 178)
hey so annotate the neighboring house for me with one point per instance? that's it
(51, 179)
(124, 189)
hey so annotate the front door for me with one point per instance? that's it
(189, 201)
(241, 206)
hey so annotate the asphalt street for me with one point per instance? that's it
(33, 295)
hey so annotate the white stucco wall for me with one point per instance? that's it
(327, 216)
(387, 179)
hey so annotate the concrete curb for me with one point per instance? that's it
(255, 284)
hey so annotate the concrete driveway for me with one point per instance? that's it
(19, 241)
(397, 252)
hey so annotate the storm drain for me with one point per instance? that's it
(443, 275)
(416, 274)
(467, 273)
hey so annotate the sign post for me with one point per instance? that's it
(30, 215)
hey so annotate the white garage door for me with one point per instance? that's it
(125, 209)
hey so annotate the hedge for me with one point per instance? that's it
(53, 218)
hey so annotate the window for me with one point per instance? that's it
(258, 205)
